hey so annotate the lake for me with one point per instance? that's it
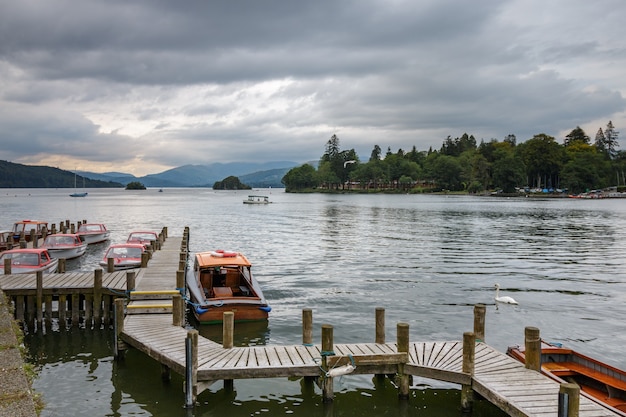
(427, 259)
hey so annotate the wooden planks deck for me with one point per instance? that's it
(497, 377)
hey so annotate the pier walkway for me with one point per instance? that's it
(495, 376)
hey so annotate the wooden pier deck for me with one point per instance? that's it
(496, 377)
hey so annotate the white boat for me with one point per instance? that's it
(76, 193)
(144, 237)
(257, 199)
(125, 256)
(24, 261)
(64, 245)
(93, 233)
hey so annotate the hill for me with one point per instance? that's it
(260, 175)
(33, 176)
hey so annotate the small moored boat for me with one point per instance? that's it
(257, 199)
(125, 256)
(93, 233)
(24, 261)
(602, 383)
(64, 245)
(142, 237)
(25, 226)
(222, 281)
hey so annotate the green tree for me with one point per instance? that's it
(543, 158)
(508, 171)
(577, 135)
(300, 178)
(445, 170)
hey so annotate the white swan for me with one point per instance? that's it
(505, 299)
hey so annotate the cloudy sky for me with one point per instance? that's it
(146, 85)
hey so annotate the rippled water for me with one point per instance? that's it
(426, 259)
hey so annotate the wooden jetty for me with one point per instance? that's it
(149, 315)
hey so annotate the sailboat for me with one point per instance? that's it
(76, 193)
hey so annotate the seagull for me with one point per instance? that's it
(348, 162)
(505, 300)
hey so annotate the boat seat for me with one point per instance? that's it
(598, 376)
(222, 292)
(244, 290)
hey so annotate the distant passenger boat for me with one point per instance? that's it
(257, 199)
(25, 226)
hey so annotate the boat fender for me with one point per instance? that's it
(267, 309)
(201, 310)
(340, 370)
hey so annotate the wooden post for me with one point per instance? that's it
(39, 299)
(145, 257)
(75, 309)
(178, 310)
(479, 322)
(7, 266)
(61, 266)
(130, 281)
(403, 346)
(110, 265)
(118, 325)
(380, 325)
(97, 297)
(532, 340)
(191, 368)
(569, 400)
(228, 330)
(307, 327)
(180, 280)
(62, 311)
(34, 238)
(467, 392)
(327, 350)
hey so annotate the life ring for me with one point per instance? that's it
(221, 253)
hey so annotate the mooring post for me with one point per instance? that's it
(39, 299)
(118, 323)
(7, 266)
(327, 350)
(180, 281)
(480, 311)
(97, 297)
(191, 368)
(130, 281)
(177, 310)
(307, 327)
(61, 266)
(110, 265)
(380, 325)
(34, 238)
(402, 330)
(145, 257)
(532, 341)
(228, 330)
(569, 400)
(467, 392)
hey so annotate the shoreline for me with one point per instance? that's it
(16, 395)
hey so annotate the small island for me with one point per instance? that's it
(230, 183)
(135, 185)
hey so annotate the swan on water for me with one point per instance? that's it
(505, 299)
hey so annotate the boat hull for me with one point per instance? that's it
(69, 253)
(242, 313)
(47, 269)
(94, 238)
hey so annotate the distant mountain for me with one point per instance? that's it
(33, 176)
(268, 174)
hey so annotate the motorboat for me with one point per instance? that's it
(25, 226)
(125, 255)
(5, 235)
(221, 281)
(257, 199)
(29, 260)
(143, 237)
(598, 381)
(65, 245)
(91, 233)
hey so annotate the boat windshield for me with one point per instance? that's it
(24, 258)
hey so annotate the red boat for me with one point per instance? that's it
(602, 383)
